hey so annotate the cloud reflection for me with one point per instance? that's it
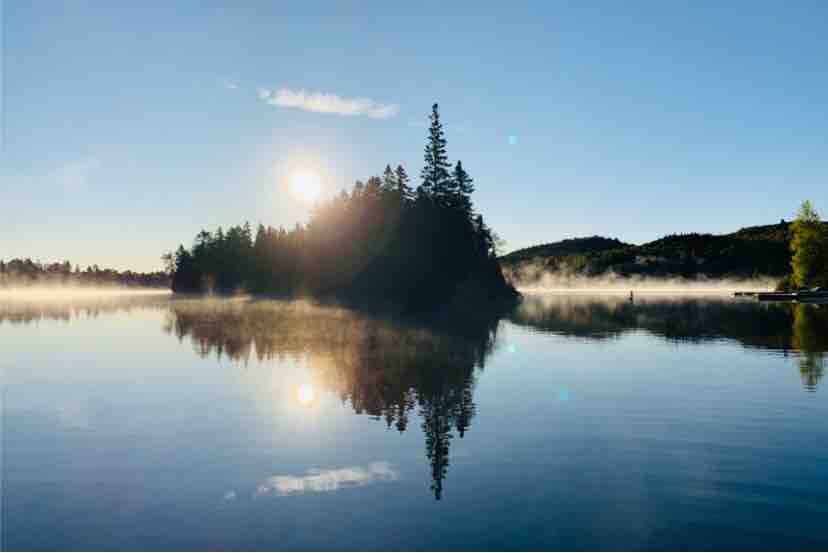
(318, 481)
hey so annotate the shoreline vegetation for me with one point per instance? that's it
(789, 256)
(28, 274)
(383, 244)
(387, 246)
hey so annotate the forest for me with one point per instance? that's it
(27, 273)
(381, 242)
(749, 252)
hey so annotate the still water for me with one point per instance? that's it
(575, 422)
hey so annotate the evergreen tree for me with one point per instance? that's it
(403, 189)
(462, 189)
(375, 242)
(436, 181)
(373, 188)
(247, 235)
(484, 233)
(359, 188)
(389, 183)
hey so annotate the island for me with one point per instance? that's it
(381, 243)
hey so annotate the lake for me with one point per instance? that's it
(575, 422)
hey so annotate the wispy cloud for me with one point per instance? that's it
(229, 85)
(322, 102)
(318, 481)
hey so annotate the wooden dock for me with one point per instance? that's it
(814, 296)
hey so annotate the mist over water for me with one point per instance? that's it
(542, 280)
(73, 292)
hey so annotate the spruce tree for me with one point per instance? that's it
(462, 188)
(373, 188)
(403, 189)
(436, 181)
(389, 182)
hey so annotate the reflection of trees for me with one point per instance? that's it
(33, 309)
(810, 331)
(383, 368)
(779, 326)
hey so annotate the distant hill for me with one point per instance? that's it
(570, 246)
(748, 252)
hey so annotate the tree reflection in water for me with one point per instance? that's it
(790, 328)
(810, 332)
(383, 368)
(390, 368)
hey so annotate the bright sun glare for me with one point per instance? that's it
(306, 185)
(305, 394)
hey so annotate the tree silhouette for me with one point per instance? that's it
(436, 182)
(463, 187)
(377, 244)
(403, 188)
(27, 272)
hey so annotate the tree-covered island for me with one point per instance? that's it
(383, 242)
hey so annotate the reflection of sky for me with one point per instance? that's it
(655, 436)
(318, 481)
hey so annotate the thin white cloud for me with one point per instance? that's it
(229, 85)
(319, 481)
(321, 102)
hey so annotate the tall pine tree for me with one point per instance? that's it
(462, 188)
(389, 183)
(436, 181)
(403, 188)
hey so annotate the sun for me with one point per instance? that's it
(305, 394)
(306, 185)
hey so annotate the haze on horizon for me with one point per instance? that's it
(128, 128)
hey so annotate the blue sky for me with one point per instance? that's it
(128, 126)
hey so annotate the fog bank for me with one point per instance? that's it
(54, 293)
(547, 281)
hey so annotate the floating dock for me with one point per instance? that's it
(814, 296)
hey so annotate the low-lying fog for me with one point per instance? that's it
(549, 282)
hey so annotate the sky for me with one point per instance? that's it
(129, 126)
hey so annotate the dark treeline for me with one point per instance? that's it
(382, 241)
(760, 251)
(746, 253)
(25, 272)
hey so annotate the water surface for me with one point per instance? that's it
(575, 422)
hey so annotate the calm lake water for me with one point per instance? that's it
(576, 422)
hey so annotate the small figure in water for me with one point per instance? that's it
(631, 296)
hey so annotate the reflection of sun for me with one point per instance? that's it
(306, 185)
(305, 394)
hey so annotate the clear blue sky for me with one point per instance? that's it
(128, 126)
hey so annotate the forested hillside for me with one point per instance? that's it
(748, 252)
